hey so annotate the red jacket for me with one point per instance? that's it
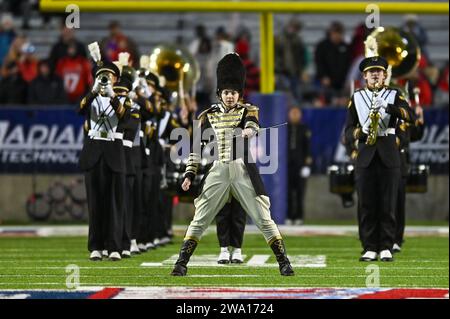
(77, 76)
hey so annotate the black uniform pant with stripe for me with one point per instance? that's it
(377, 187)
(230, 223)
(128, 215)
(400, 215)
(106, 204)
(151, 180)
(136, 217)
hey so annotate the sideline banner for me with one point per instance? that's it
(40, 141)
(50, 140)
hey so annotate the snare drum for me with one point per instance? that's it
(417, 180)
(342, 178)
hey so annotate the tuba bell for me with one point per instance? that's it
(399, 48)
(176, 65)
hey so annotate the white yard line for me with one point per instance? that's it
(258, 260)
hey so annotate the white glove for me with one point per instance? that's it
(132, 95)
(380, 103)
(110, 91)
(96, 86)
(366, 126)
(248, 132)
(305, 172)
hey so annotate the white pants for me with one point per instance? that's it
(225, 180)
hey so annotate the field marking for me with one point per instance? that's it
(258, 260)
(209, 260)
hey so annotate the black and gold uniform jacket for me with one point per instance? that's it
(131, 138)
(224, 122)
(104, 127)
(358, 115)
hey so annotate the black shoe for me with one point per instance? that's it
(179, 270)
(279, 250)
(186, 251)
(286, 270)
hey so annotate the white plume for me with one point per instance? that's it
(144, 62)
(94, 50)
(371, 46)
(124, 58)
(119, 65)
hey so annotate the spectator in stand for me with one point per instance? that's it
(291, 60)
(441, 94)
(59, 49)
(7, 35)
(201, 48)
(46, 88)
(14, 52)
(118, 42)
(413, 26)
(28, 62)
(252, 71)
(20, 8)
(333, 59)
(75, 70)
(419, 79)
(13, 88)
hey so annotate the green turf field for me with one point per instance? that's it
(40, 263)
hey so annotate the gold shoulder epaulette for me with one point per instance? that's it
(251, 107)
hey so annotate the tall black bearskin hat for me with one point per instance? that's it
(230, 74)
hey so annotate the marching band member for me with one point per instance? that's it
(372, 116)
(229, 176)
(103, 160)
(406, 132)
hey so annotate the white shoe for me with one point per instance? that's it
(95, 255)
(224, 257)
(156, 242)
(142, 248)
(165, 240)
(396, 248)
(150, 245)
(386, 255)
(134, 249)
(105, 253)
(236, 256)
(126, 254)
(289, 222)
(114, 256)
(369, 256)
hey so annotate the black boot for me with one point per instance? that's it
(187, 249)
(280, 253)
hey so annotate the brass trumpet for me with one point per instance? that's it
(374, 117)
(104, 81)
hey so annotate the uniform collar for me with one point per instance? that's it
(225, 109)
(379, 90)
